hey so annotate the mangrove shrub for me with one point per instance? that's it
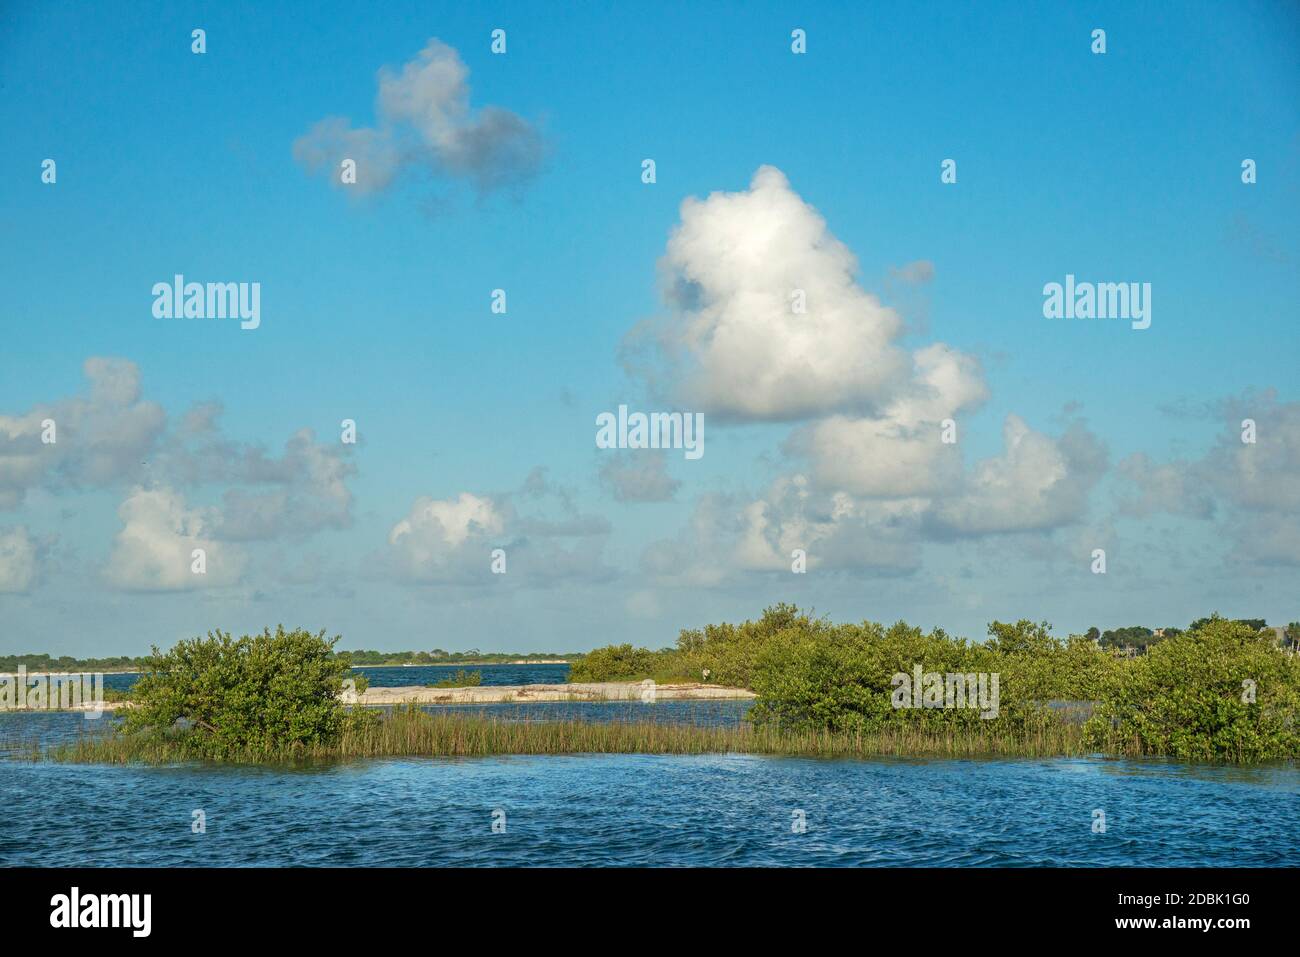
(1220, 691)
(251, 696)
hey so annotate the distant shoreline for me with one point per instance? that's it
(461, 664)
(592, 691)
(133, 671)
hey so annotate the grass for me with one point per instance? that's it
(412, 732)
(461, 679)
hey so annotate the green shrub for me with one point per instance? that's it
(1186, 698)
(461, 679)
(1183, 698)
(731, 652)
(616, 663)
(813, 676)
(1041, 668)
(269, 693)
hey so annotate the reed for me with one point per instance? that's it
(413, 732)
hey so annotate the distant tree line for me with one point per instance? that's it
(33, 663)
(440, 657)
(45, 662)
(1138, 638)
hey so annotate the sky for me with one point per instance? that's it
(893, 427)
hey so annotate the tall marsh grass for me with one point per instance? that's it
(412, 732)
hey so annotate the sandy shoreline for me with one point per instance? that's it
(383, 697)
(468, 664)
(576, 691)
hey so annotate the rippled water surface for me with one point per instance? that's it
(648, 810)
(402, 677)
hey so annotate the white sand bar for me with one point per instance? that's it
(577, 691)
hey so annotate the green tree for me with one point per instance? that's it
(1219, 691)
(613, 663)
(1023, 636)
(262, 695)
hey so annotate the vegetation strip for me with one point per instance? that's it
(412, 732)
(1220, 691)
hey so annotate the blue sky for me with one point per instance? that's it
(1119, 167)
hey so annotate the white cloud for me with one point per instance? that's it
(1263, 475)
(450, 541)
(330, 141)
(899, 453)
(425, 120)
(638, 475)
(880, 479)
(435, 525)
(701, 553)
(916, 273)
(727, 538)
(1174, 487)
(1037, 483)
(100, 439)
(154, 550)
(835, 531)
(1251, 488)
(18, 557)
(445, 540)
(733, 345)
(111, 437)
(312, 492)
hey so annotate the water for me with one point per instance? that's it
(402, 677)
(644, 809)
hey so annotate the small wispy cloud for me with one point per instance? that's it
(425, 123)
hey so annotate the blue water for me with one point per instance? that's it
(644, 810)
(401, 677)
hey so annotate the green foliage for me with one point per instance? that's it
(1183, 698)
(239, 698)
(842, 677)
(823, 688)
(1073, 669)
(461, 679)
(66, 663)
(1024, 637)
(622, 663)
(1254, 624)
(731, 652)
(816, 675)
(1186, 698)
(1133, 637)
